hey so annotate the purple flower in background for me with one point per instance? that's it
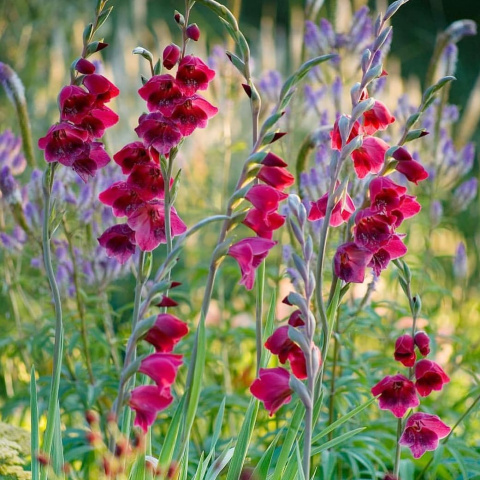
(312, 36)
(11, 153)
(436, 212)
(270, 84)
(460, 263)
(464, 194)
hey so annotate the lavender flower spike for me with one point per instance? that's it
(464, 194)
(460, 265)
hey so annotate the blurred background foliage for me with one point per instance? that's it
(39, 39)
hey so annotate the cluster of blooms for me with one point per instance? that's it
(263, 218)
(176, 110)
(398, 393)
(161, 367)
(83, 118)
(375, 240)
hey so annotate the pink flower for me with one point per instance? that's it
(119, 242)
(280, 344)
(350, 261)
(84, 66)
(88, 160)
(377, 118)
(167, 331)
(193, 113)
(158, 132)
(422, 341)
(393, 249)
(147, 401)
(162, 93)
(147, 180)
(161, 368)
(422, 432)
(385, 194)
(341, 212)
(272, 388)
(369, 158)
(123, 198)
(413, 171)
(336, 137)
(193, 32)
(372, 230)
(263, 223)
(405, 351)
(130, 155)
(148, 222)
(430, 376)
(101, 87)
(171, 55)
(249, 253)
(397, 394)
(265, 198)
(98, 120)
(193, 75)
(74, 103)
(277, 177)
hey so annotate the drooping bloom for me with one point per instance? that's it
(263, 224)
(123, 198)
(429, 376)
(166, 332)
(162, 93)
(74, 103)
(413, 171)
(193, 113)
(272, 388)
(369, 158)
(422, 341)
(130, 155)
(350, 261)
(277, 177)
(377, 118)
(119, 242)
(422, 432)
(158, 132)
(397, 394)
(341, 212)
(147, 401)
(265, 198)
(405, 350)
(161, 368)
(249, 253)
(193, 75)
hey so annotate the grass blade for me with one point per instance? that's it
(34, 441)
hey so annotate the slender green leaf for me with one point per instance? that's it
(166, 454)
(268, 329)
(34, 441)
(217, 427)
(336, 441)
(298, 456)
(57, 447)
(198, 473)
(220, 463)
(263, 465)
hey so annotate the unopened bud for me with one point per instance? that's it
(193, 32)
(171, 54)
(84, 66)
(179, 18)
(422, 341)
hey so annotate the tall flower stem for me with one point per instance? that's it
(398, 451)
(59, 333)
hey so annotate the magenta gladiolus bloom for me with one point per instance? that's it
(123, 198)
(249, 253)
(372, 230)
(377, 118)
(430, 376)
(272, 388)
(166, 332)
(350, 262)
(370, 156)
(170, 56)
(193, 113)
(279, 343)
(148, 222)
(130, 155)
(397, 394)
(405, 350)
(422, 433)
(276, 177)
(413, 171)
(119, 242)
(74, 103)
(263, 223)
(193, 75)
(385, 194)
(161, 368)
(100, 86)
(147, 401)
(395, 248)
(158, 132)
(422, 341)
(162, 93)
(147, 180)
(272, 160)
(336, 137)
(341, 212)
(265, 198)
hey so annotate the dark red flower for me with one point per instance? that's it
(101, 87)
(193, 32)
(336, 137)
(166, 332)
(88, 160)
(119, 242)
(193, 75)
(265, 198)
(162, 94)
(272, 160)
(277, 177)
(263, 223)
(147, 401)
(123, 198)
(279, 343)
(405, 351)
(395, 248)
(372, 230)
(193, 113)
(385, 194)
(249, 253)
(130, 155)
(369, 158)
(147, 180)
(422, 341)
(97, 121)
(272, 388)
(161, 368)
(171, 55)
(84, 66)
(74, 103)
(397, 394)
(429, 376)
(341, 212)
(62, 142)
(295, 319)
(413, 171)
(407, 208)
(158, 132)
(422, 432)
(350, 261)
(148, 222)
(377, 118)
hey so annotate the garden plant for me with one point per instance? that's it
(214, 268)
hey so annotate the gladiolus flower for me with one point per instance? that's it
(162, 93)
(147, 401)
(272, 160)
(263, 224)
(397, 394)
(430, 376)
(101, 87)
(193, 32)
(336, 137)
(369, 158)
(350, 261)
(341, 212)
(277, 177)
(249, 253)
(377, 118)
(372, 230)
(119, 242)
(413, 171)
(171, 55)
(130, 155)
(422, 341)
(405, 350)
(161, 368)
(193, 113)
(84, 66)
(193, 75)
(272, 388)
(166, 332)
(75, 103)
(122, 197)
(422, 432)
(158, 132)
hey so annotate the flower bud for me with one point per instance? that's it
(422, 341)
(179, 18)
(84, 66)
(193, 32)
(404, 351)
(171, 54)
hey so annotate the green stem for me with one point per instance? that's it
(59, 334)
(331, 403)
(398, 451)
(259, 312)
